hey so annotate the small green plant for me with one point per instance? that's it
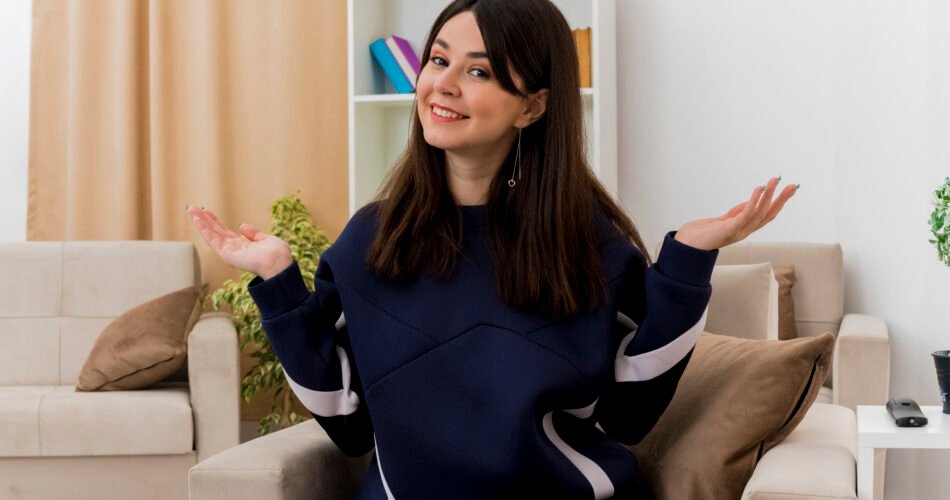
(291, 223)
(940, 221)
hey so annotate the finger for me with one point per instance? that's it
(786, 193)
(210, 236)
(196, 211)
(217, 222)
(212, 223)
(765, 203)
(743, 217)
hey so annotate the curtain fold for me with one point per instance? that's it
(138, 107)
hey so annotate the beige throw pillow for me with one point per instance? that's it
(736, 400)
(744, 301)
(145, 344)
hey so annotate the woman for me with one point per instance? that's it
(478, 319)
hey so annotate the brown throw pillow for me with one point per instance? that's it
(785, 275)
(736, 400)
(145, 344)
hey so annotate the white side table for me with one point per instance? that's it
(876, 429)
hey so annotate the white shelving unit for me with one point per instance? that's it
(379, 117)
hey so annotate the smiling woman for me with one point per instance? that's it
(493, 308)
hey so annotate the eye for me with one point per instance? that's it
(483, 74)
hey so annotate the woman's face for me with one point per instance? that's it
(458, 77)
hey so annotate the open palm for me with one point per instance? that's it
(252, 250)
(739, 222)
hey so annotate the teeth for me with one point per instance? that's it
(444, 113)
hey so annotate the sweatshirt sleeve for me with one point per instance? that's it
(661, 312)
(308, 333)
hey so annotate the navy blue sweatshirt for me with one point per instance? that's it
(465, 397)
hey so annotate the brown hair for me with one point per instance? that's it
(543, 230)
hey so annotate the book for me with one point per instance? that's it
(582, 40)
(388, 62)
(405, 57)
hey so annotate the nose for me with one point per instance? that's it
(446, 83)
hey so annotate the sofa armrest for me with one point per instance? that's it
(299, 462)
(862, 362)
(214, 383)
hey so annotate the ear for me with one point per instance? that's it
(535, 106)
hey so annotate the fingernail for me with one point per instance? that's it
(186, 207)
(763, 187)
(202, 207)
(780, 177)
(796, 186)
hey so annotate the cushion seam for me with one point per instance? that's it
(134, 372)
(39, 433)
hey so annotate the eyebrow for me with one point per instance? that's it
(473, 55)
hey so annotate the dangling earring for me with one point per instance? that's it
(511, 182)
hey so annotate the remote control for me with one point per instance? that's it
(906, 412)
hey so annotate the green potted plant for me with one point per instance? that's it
(940, 221)
(291, 223)
(940, 227)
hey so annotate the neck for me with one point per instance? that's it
(470, 176)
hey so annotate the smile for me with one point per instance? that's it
(443, 115)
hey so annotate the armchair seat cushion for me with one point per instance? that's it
(817, 460)
(56, 420)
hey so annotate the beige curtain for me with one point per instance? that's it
(139, 106)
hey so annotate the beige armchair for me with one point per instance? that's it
(816, 461)
(59, 443)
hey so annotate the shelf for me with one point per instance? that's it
(407, 98)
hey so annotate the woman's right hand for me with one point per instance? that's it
(252, 250)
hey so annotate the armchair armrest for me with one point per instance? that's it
(214, 384)
(862, 362)
(296, 463)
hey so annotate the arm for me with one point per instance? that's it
(661, 310)
(308, 333)
(861, 370)
(214, 383)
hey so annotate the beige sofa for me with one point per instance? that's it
(816, 461)
(59, 443)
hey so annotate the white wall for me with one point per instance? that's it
(15, 27)
(848, 98)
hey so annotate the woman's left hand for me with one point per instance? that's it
(739, 222)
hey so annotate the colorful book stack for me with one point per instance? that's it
(582, 41)
(399, 62)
